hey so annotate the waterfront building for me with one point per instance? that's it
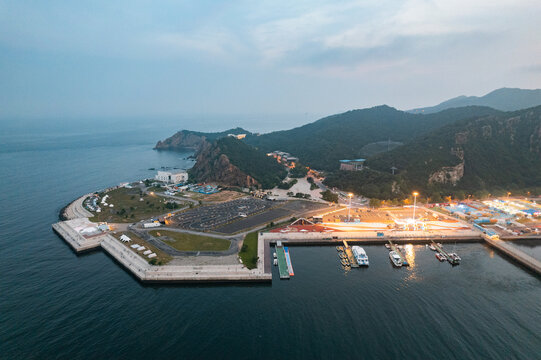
(172, 177)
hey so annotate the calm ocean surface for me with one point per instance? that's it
(55, 304)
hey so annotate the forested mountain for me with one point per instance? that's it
(505, 99)
(322, 143)
(496, 152)
(231, 162)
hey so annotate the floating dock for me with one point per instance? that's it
(288, 261)
(282, 262)
(349, 254)
(399, 252)
(444, 253)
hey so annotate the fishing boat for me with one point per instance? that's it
(275, 262)
(388, 246)
(339, 248)
(344, 262)
(432, 247)
(395, 258)
(440, 257)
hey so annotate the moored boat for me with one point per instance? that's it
(360, 255)
(395, 258)
(432, 247)
(440, 257)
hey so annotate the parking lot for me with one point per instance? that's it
(209, 217)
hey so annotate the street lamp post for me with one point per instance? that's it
(415, 194)
(350, 195)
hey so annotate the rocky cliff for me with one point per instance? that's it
(231, 162)
(212, 165)
(194, 140)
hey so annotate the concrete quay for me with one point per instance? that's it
(178, 273)
(357, 237)
(145, 272)
(515, 254)
(77, 242)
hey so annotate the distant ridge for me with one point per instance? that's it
(504, 99)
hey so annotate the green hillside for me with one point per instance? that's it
(493, 153)
(322, 143)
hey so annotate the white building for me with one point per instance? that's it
(172, 177)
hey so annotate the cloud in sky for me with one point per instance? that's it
(165, 57)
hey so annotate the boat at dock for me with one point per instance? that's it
(339, 248)
(453, 259)
(275, 262)
(395, 258)
(344, 262)
(432, 247)
(440, 256)
(360, 255)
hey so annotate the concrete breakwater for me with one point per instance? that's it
(515, 254)
(146, 272)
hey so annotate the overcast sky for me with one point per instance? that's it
(166, 58)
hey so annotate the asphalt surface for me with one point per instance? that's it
(205, 218)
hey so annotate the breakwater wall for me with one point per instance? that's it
(146, 272)
(515, 254)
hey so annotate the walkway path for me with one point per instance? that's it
(76, 209)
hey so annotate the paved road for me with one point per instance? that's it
(76, 209)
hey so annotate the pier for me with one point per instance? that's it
(288, 261)
(399, 252)
(349, 254)
(514, 253)
(282, 263)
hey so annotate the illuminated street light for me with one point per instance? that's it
(415, 194)
(350, 195)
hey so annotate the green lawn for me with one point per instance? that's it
(129, 208)
(191, 242)
(248, 253)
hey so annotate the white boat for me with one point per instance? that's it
(432, 247)
(455, 256)
(395, 258)
(360, 255)
(275, 262)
